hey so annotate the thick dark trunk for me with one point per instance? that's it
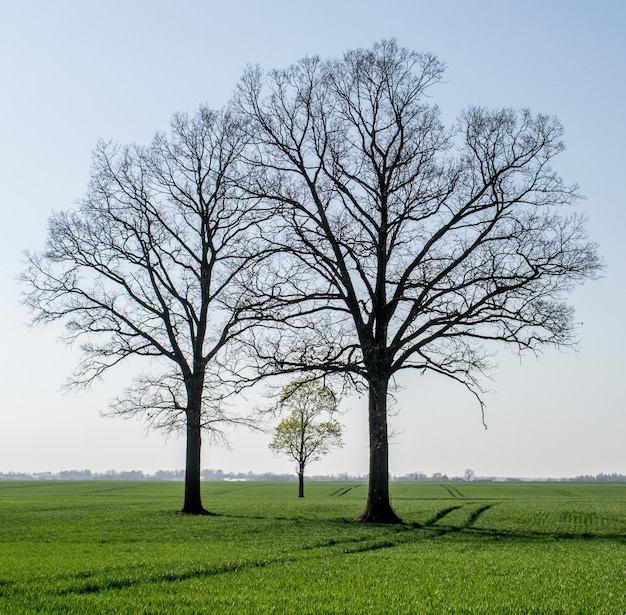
(378, 508)
(193, 498)
(301, 483)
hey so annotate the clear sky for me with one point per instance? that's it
(75, 71)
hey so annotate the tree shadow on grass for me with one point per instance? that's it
(396, 536)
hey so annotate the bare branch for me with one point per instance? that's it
(406, 245)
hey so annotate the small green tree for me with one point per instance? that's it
(299, 435)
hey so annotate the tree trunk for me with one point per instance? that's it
(301, 483)
(378, 508)
(193, 498)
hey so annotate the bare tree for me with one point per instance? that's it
(406, 245)
(151, 265)
(469, 475)
(301, 435)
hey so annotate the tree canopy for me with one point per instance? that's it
(301, 435)
(407, 245)
(151, 265)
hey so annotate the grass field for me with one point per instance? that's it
(107, 547)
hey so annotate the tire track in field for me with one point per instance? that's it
(440, 515)
(453, 491)
(5, 588)
(413, 531)
(398, 535)
(560, 491)
(78, 586)
(94, 587)
(334, 548)
(432, 524)
(477, 514)
(342, 491)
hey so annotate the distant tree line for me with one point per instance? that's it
(220, 475)
(598, 478)
(175, 475)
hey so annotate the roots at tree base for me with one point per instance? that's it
(194, 511)
(383, 514)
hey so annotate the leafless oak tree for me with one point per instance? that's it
(152, 265)
(406, 245)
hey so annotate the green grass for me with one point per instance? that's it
(107, 547)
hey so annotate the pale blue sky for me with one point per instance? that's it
(72, 72)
